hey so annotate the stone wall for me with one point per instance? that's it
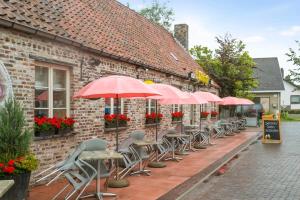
(21, 52)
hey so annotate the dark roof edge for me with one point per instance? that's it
(30, 30)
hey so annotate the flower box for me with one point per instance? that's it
(111, 120)
(214, 114)
(204, 115)
(152, 118)
(45, 127)
(177, 116)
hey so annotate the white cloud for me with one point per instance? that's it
(292, 31)
(254, 39)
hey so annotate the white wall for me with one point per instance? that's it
(286, 95)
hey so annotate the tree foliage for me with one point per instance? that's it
(229, 65)
(159, 14)
(14, 138)
(295, 58)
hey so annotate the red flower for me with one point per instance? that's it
(177, 114)
(214, 113)
(8, 169)
(204, 114)
(69, 121)
(11, 163)
(1, 165)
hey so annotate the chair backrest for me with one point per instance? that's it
(137, 135)
(94, 144)
(124, 145)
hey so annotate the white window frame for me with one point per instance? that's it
(50, 108)
(148, 110)
(176, 108)
(121, 101)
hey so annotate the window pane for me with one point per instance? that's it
(41, 98)
(59, 99)
(59, 79)
(107, 106)
(295, 99)
(41, 113)
(60, 113)
(115, 106)
(41, 77)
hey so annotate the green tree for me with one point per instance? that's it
(229, 65)
(159, 14)
(295, 58)
(14, 137)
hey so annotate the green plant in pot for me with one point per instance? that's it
(16, 161)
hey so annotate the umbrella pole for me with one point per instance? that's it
(181, 120)
(200, 117)
(156, 122)
(117, 125)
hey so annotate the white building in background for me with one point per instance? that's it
(290, 97)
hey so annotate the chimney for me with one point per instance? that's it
(181, 33)
(282, 72)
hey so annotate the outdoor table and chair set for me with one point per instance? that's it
(92, 160)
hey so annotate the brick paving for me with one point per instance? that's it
(166, 179)
(265, 171)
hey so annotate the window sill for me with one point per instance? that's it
(72, 133)
(114, 129)
(152, 124)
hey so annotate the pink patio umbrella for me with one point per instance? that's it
(210, 97)
(190, 100)
(230, 101)
(116, 87)
(168, 93)
(246, 101)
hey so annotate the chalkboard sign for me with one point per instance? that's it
(271, 131)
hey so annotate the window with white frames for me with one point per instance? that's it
(111, 106)
(52, 91)
(176, 108)
(150, 106)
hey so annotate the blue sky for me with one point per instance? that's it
(267, 27)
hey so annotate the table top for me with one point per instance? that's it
(5, 185)
(144, 142)
(100, 155)
(177, 135)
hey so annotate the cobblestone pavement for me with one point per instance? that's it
(264, 171)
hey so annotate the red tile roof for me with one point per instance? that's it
(104, 25)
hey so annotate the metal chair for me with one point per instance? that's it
(97, 144)
(140, 151)
(58, 169)
(130, 157)
(79, 177)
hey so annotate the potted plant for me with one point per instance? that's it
(177, 116)
(123, 119)
(214, 114)
(43, 127)
(67, 125)
(16, 161)
(111, 120)
(204, 114)
(152, 117)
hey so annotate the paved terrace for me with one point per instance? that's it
(177, 177)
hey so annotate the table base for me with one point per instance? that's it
(142, 171)
(174, 158)
(99, 195)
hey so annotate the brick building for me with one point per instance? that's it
(58, 46)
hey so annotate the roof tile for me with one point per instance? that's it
(105, 25)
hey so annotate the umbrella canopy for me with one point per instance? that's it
(246, 101)
(194, 99)
(210, 97)
(227, 101)
(168, 93)
(115, 87)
